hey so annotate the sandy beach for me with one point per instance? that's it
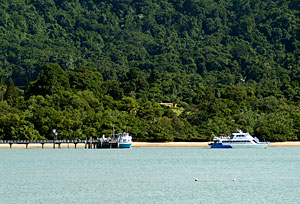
(285, 144)
(170, 144)
(144, 144)
(203, 144)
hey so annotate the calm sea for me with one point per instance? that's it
(150, 175)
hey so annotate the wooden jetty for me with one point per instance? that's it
(88, 143)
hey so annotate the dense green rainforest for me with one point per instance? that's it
(82, 66)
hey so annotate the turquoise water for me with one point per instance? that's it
(150, 175)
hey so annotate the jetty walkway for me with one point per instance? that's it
(88, 143)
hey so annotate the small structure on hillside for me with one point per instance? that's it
(170, 105)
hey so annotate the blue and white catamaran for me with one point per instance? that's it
(238, 140)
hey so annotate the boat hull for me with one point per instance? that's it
(264, 145)
(221, 146)
(239, 146)
(124, 145)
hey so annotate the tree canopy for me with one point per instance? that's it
(88, 64)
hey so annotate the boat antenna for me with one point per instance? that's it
(113, 134)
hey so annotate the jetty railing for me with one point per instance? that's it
(43, 141)
(88, 143)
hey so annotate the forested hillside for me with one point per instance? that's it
(82, 66)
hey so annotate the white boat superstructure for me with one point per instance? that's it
(125, 140)
(238, 140)
(120, 140)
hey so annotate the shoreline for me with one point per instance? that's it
(204, 144)
(139, 144)
(285, 144)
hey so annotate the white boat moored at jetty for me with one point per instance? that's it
(120, 140)
(238, 140)
(125, 140)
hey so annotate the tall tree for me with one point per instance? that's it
(10, 94)
(52, 79)
(2, 86)
(86, 79)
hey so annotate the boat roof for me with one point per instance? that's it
(240, 133)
